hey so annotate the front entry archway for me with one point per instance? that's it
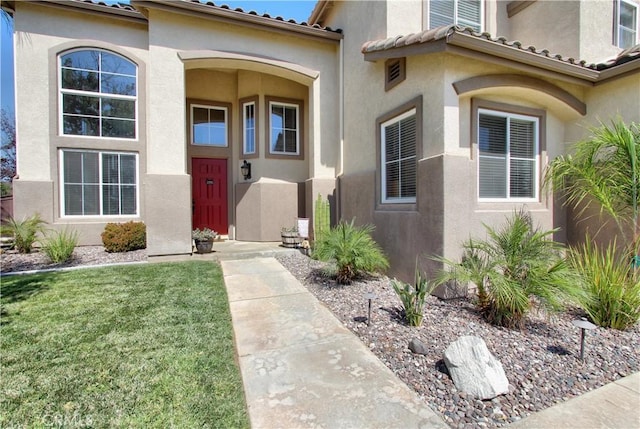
(209, 193)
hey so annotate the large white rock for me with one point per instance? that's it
(474, 369)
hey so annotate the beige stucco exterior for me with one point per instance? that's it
(189, 53)
(180, 57)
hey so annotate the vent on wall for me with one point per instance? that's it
(395, 72)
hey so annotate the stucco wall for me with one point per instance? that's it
(572, 28)
(41, 33)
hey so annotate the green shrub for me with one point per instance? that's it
(413, 297)
(352, 249)
(124, 237)
(516, 268)
(611, 283)
(60, 245)
(24, 232)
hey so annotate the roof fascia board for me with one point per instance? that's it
(237, 18)
(407, 51)
(518, 6)
(317, 14)
(95, 9)
(522, 56)
(442, 46)
(619, 71)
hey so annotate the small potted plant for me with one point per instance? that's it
(290, 237)
(204, 239)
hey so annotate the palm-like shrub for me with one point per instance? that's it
(352, 249)
(612, 285)
(59, 246)
(604, 170)
(413, 297)
(24, 232)
(516, 268)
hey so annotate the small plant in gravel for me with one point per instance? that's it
(59, 245)
(124, 237)
(612, 285)
(321, 218)
(516, 268)
(352, 249)
(25, 232)
(413, 297)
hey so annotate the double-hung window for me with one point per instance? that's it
(284, 128)
(98, 94)
(98, 183)
(209, 125)
(398, 158)
(467, 13)
(508, 156)
(626, 24)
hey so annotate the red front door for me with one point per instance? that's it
(209, 184)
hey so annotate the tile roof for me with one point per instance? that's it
(265, 15)
(222, 7)
(445, 32)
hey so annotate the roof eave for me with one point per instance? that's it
(96, 9)
(317, 14)
(620, 71)
(237, 17)
(522, 56)
(471, 46)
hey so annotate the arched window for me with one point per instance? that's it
(98, 94)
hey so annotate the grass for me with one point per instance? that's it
(140, 346)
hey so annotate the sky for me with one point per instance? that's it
(288, 9)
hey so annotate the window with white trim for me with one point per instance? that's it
(467, 13)
(98, 183)
(249, 114)
(626, 24)
(284, 128)
(508, 156)
(98, 94)
(398, 158)
(209, 125)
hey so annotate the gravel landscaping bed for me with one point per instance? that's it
(541, 361)
(13, 261)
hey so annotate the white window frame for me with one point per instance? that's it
(297, 130)
(456, 20)
(100, 184)
(226, 124)
(536, 151)
(618, 25)
(99, 95)
(383, 160)
(244, 128)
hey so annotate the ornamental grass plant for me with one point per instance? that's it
(611, 283)
(59, 245)
(25, 232)
(516, 268)
(352, 249)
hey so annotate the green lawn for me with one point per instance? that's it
(135, 346)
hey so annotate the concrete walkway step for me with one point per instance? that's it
(613, 406)
(301, 367)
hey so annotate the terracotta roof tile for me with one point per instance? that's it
(444, 32)
(129, 8)
(265, 15)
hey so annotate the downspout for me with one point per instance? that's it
(341, 130)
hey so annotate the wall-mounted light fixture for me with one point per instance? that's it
(245, 168)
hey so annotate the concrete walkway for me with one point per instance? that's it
(302, 369)
(613, 406)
